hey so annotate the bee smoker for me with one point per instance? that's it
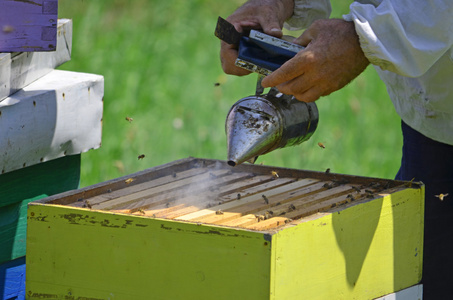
(259, 124)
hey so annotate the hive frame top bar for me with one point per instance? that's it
(206, 191)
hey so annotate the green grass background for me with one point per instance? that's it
(160, 60)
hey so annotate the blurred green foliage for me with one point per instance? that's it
(161, 66)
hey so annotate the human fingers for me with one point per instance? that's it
(310, 95)
(288, 71)
(305, 38)
(271, 25)
(228, 56)
(307, 92)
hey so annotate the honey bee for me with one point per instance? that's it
(327, 170)
(259, 217)
(327, 185)
(7, 29)
(217, 84)
(409, 184)
(265, 199)
(275, 174)
(269, 214)
(238, 197)
(129, 119)
(321, 145)
(351, 197)
(141, 211)
(441, 196)
(141, 156)
(129, 180)
(219, 212)
(357, 189)
(87, 204)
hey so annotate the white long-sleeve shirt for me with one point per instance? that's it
(410, 44)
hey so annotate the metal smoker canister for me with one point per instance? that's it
(258, 124)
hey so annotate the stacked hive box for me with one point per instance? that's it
(47, 118)
(199, 229)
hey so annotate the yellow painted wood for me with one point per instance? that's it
(362, 252)
(73, 252)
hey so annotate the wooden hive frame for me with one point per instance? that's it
(211, 192)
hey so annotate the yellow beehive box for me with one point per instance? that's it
(199, 229)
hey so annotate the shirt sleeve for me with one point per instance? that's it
(404, 36)
(307, 11)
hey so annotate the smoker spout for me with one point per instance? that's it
(251, 131)
(259, 124)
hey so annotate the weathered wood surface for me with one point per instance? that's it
(28, 25)
(20, 187)
(184, 229)
(252, 197)
(19, 69)
(59, 114)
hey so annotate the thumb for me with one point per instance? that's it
(272, 28)
(304, 39)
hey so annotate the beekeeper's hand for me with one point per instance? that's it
(332, 58)
(265, 15)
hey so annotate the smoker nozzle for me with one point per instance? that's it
(259, 124)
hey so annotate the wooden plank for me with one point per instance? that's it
(28, 25)
(298, 205)
(261, 201)
(219, 216)
(249, 199)
(18, 70)
(12, 279)
(267, 183)
(180, 212)
(140, 187)
(59, 114)
(239, 222)
(161, 260)
(295, 207)
(20, 187)
(166, 192)
(268, 224)
(353, 250)
(158, 212)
